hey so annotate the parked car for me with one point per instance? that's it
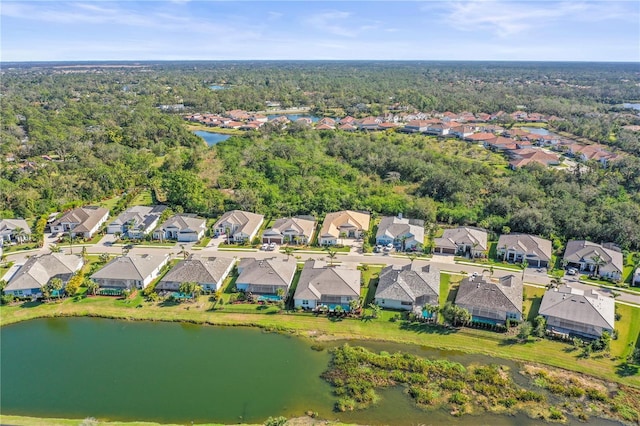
(572, 271)
(272, 246)
(265, 246)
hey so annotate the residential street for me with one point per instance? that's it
(444, 263)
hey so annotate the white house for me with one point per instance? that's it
(409, 287)
(590, 257)
(14, 230)
(136, 221)
(239, 225)
(296, 230)
(208, 272)
(322, 285)
(265, 276)
(404, 234)
(130, 271)
(29, 280)
(182, 227)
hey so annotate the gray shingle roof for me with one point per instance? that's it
(201, 270)
(581, 250)
(272, 271)
(246, 222)
(317, 279)
(184, 222)
(502, 294)
(451, 238)
(525, 243)
(408, 283)
(576, 305)
(85, 217)
(9, 225)
(131, 267)
(395, 227)
(140, 215)
(37, 271)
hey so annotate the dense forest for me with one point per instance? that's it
(76, 134)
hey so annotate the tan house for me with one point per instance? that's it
(343, 224)
(292, 230)
(238, 225)
(82, 221)
(322, 285)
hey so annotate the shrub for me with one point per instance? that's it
(458, 398)
(555, 414)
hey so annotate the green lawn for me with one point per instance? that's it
(532, 301)
(369, 283)
(203, 242)
(20, 247)
(110, 203)
(628, 328)
(144, 198)
(345, 249)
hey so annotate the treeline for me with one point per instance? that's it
(445, 181)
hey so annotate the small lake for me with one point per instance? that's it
(294, 117)
(536, 130)
(632, 106)
(211, 138)
(216, 87)
(182, 373)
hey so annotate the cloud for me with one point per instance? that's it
(329, 22)
(509, 18)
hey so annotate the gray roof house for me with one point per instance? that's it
(571, 311)
(8, 232)
(296, 230)
(38, 271)
(82, 221)
(209, 272)
(322, 285)
(130, 271)
(265, 276)
(403, 233)
(182, 227)
(519, 247)
(585, 255)
(462, 240)
(136, 221)
(347, 223)
(408, 287)
(242, 226)
(491, 301)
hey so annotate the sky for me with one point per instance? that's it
(504, 30)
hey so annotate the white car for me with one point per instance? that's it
(272, 246)
(572, 271)
(265, 246)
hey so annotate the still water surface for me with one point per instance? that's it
(169, 372)
(211, 138)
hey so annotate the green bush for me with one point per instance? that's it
(458, 398)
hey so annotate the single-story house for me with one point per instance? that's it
(208, 272)
(403, 233)
(136, 221)
(571, 311)
(82, 221)
(605, 260)
(239, 225)
(293, 230)
(37, 271)
(492, 301)
(265, 276)
(343, 224)
(14, 231)
(130, 271)
(182, 227)
(463, 240)
(330, 286)
(520, 247)
(409, 287)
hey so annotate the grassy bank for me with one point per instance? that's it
(465, 339)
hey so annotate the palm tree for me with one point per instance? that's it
(525, 265)
(71, 237)
(375, 310)
(354, 304)
(19, 234)
(92, 286)
(191, 288)
(280, 293)
(412, 257)
(331, 253)
(183, 252)
(288, 251)
(598, 261)
(84, 254)
(104, 257)
(56, 285)
(55, 248)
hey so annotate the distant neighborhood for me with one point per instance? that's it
(521, 146)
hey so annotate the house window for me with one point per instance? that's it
(305, 302)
